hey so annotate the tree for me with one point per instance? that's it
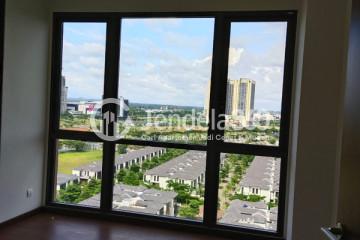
(272, 140)
(225, 171)
(238, 170)
(271, 204)
(131, 178)
(183, 191)
(195, 203)
(192, 209)
(120, 175)
(249, 198)
(90, 189)
(79, 146)
(70, 194)
(135, 168)
(121, 149)
(188, 212)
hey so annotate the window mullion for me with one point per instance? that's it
(110, 91)
(217, 108)
(54, 107)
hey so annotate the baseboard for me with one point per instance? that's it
(21, 217)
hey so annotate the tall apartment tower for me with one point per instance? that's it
(240, 95)
(63, 97)
(207, 101)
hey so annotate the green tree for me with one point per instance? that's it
(272, 140)
(238, 170)
(183, 191)
(121, 148)
(79, 146)
(135, 168)
(188, 212)
(224, 172)
(249, 198)
(120, 175)
(90, 189)
(70, 194)
(131, 178)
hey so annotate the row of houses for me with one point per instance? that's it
(188, 168)
(262, 178)
(94, 169)
(138, 199)
(64, 180)
(250, 215)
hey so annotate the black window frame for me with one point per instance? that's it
(213, 148)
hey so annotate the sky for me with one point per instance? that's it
(168, 61)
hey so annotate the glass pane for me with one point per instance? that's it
(159, 181)
(82, 73)
(255, 80)
(78, 177)
(165, 70)
(249, 191)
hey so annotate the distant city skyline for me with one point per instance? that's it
(168, 61)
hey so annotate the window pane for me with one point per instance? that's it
(165, 69)
(249, 191)
(82, 73)
(255, 80)
(79, 167)
(159, 181)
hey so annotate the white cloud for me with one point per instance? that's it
(235, 55)
(205, 60)
(177, 73)
(83, 68)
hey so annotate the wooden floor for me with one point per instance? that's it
(46, 226)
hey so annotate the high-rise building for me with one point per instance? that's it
(63, 97)
(123, 108)
(207, 101)
(240, 96)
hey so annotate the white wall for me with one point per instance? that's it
(24, 107)
(319, 106)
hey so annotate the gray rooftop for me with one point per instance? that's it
(248, 214)
(95, 166)
(242, 211)
(188, 166)
(123, 158)
(263, 173)
(65, 178)
(136, 199)
(94, 201)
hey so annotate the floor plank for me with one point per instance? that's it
(46, 226)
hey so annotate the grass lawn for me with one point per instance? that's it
(70, 160)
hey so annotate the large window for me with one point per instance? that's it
(183, 118)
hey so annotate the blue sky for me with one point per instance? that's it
(168, 61)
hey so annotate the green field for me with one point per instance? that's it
(70, 160)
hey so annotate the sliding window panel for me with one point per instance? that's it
(159, 181)
(164, 81)
(82, 74)
(249, 191)
(79, 172)
(255, 82)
